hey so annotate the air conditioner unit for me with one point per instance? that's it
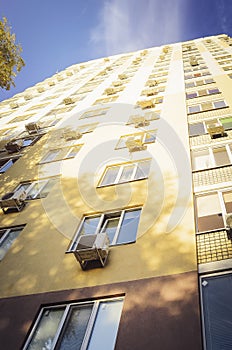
(134, 144)
(28, 97)
(166, 49)
(40, 89)
(152, 83)
(68, 101)
(151, 92)
(110, 91)
(117, 83)
(215, 129)
(51, 83)
(92, 248)
(70, 135)
(106, 59)
(13, 200)
(139, 121)
(14, 105)
(162, 57)
(14, 146)
(122, 76)
(146, 104)
(32, 128)
(60, 77)
(69, 73)
(193, 61)
(228, 221)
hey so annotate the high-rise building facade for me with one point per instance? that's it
(116, 203)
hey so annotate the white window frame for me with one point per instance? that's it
(210, 151)
(121, 167)
(63, 322)
(203, 102)
(142, 135)
(219, 194)
(61, 155)
(33, 184)
(103, 219)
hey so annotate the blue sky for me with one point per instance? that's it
(55, 34)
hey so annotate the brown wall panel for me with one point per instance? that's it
(158, 313)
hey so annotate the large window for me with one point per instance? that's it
(203, 92)
(7, 237)
(141, 137)
(79, 326)
(200, 128)
(37, 189)
(217, 311)
(206, 106)
(58, 154)
(211, 157)
(120, 226)
(125, 172)
(212, 209)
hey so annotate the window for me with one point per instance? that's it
(199, 82)
(216, 310)
(60, 154)
(212, 208)
(142, 137)
(94, 113)
(196, 75)
(202, 93)
(143, 120)
(6, 163)
(211, 157)
(105, 100)
(200, 128)
(120, 226)
(37, 189)
(206, 106)
(7, 237)
(126, 172)
(85, 325)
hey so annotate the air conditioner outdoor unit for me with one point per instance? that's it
(139, 121)
(13, 200)
(117, 83)
(228, 219)
(166, 49)
(51, 83)
(162, 57)
(68, 101)
(70, 135)
(40, 89)
(27, 97)
(134, 144)
(122, 76)
(215, 129)
(69, 73)
(14, 105)
(146, 104)
(92, 248)
(32, 128)
(193, 61)
(152, 83)
(14, 146)
(110, 91)
(151, 92)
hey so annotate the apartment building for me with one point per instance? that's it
(116, 202)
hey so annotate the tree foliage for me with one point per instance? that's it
(11, 61)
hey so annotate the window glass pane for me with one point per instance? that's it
(142, 170)
(47, 188)
(209, 213)
(206, 106)
(127, 173)
(213, 91)
(227, 196)
(7, 242)
(194, 109)
(189, 85)
(75, 329)
(73, 152)
(90, 225)
(110, 227)
(106, 326)
(122, 142)
(196, 129)
(219, 104)
(27, 142)
(150, 137)
(201, 160)
(128, 230)
(191, 95)
(24, 186)
(209, 81)
(202, 92)
(110, 176)
(199, 82)
(227, 123)
(221, 156)
(46, 329)
(217, 311)
(50, 156)
(6, 166)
